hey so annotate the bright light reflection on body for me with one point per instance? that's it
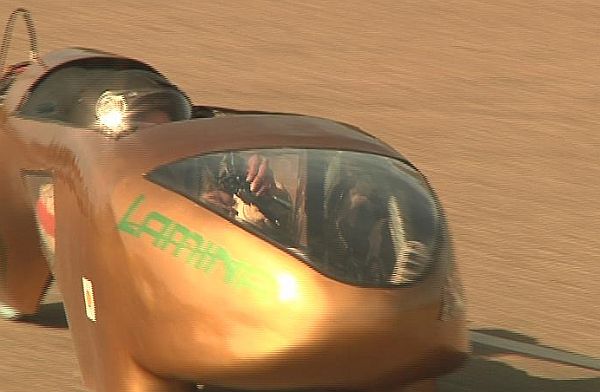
(112, 120)
(288, 287)
(110, 110)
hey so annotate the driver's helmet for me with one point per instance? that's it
(355, 207)
(127, 99)
(378, 228)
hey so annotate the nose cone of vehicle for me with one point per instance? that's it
(334, 277)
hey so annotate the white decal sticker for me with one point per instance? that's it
(88, 296)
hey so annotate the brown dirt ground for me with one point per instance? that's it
(496, 101)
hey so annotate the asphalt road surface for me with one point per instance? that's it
(496, 101)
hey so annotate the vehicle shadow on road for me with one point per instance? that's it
(51, 315)
(482, 373)
(486, 374)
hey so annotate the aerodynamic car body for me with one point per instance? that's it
(176, 270)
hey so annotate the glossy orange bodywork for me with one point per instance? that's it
(264, 320)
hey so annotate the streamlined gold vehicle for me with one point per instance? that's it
(197, 245)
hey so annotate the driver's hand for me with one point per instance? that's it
(220, 199)
(259, 175)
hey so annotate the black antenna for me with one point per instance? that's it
(33, 48)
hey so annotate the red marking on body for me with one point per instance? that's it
(46, 219)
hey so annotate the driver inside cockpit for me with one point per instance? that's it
(120, 102)
(126, 100)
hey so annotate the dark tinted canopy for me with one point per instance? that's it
(359, 218)
(75, 92)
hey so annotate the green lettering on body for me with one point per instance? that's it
(157, 233)
(201, 254)
(128, 226)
